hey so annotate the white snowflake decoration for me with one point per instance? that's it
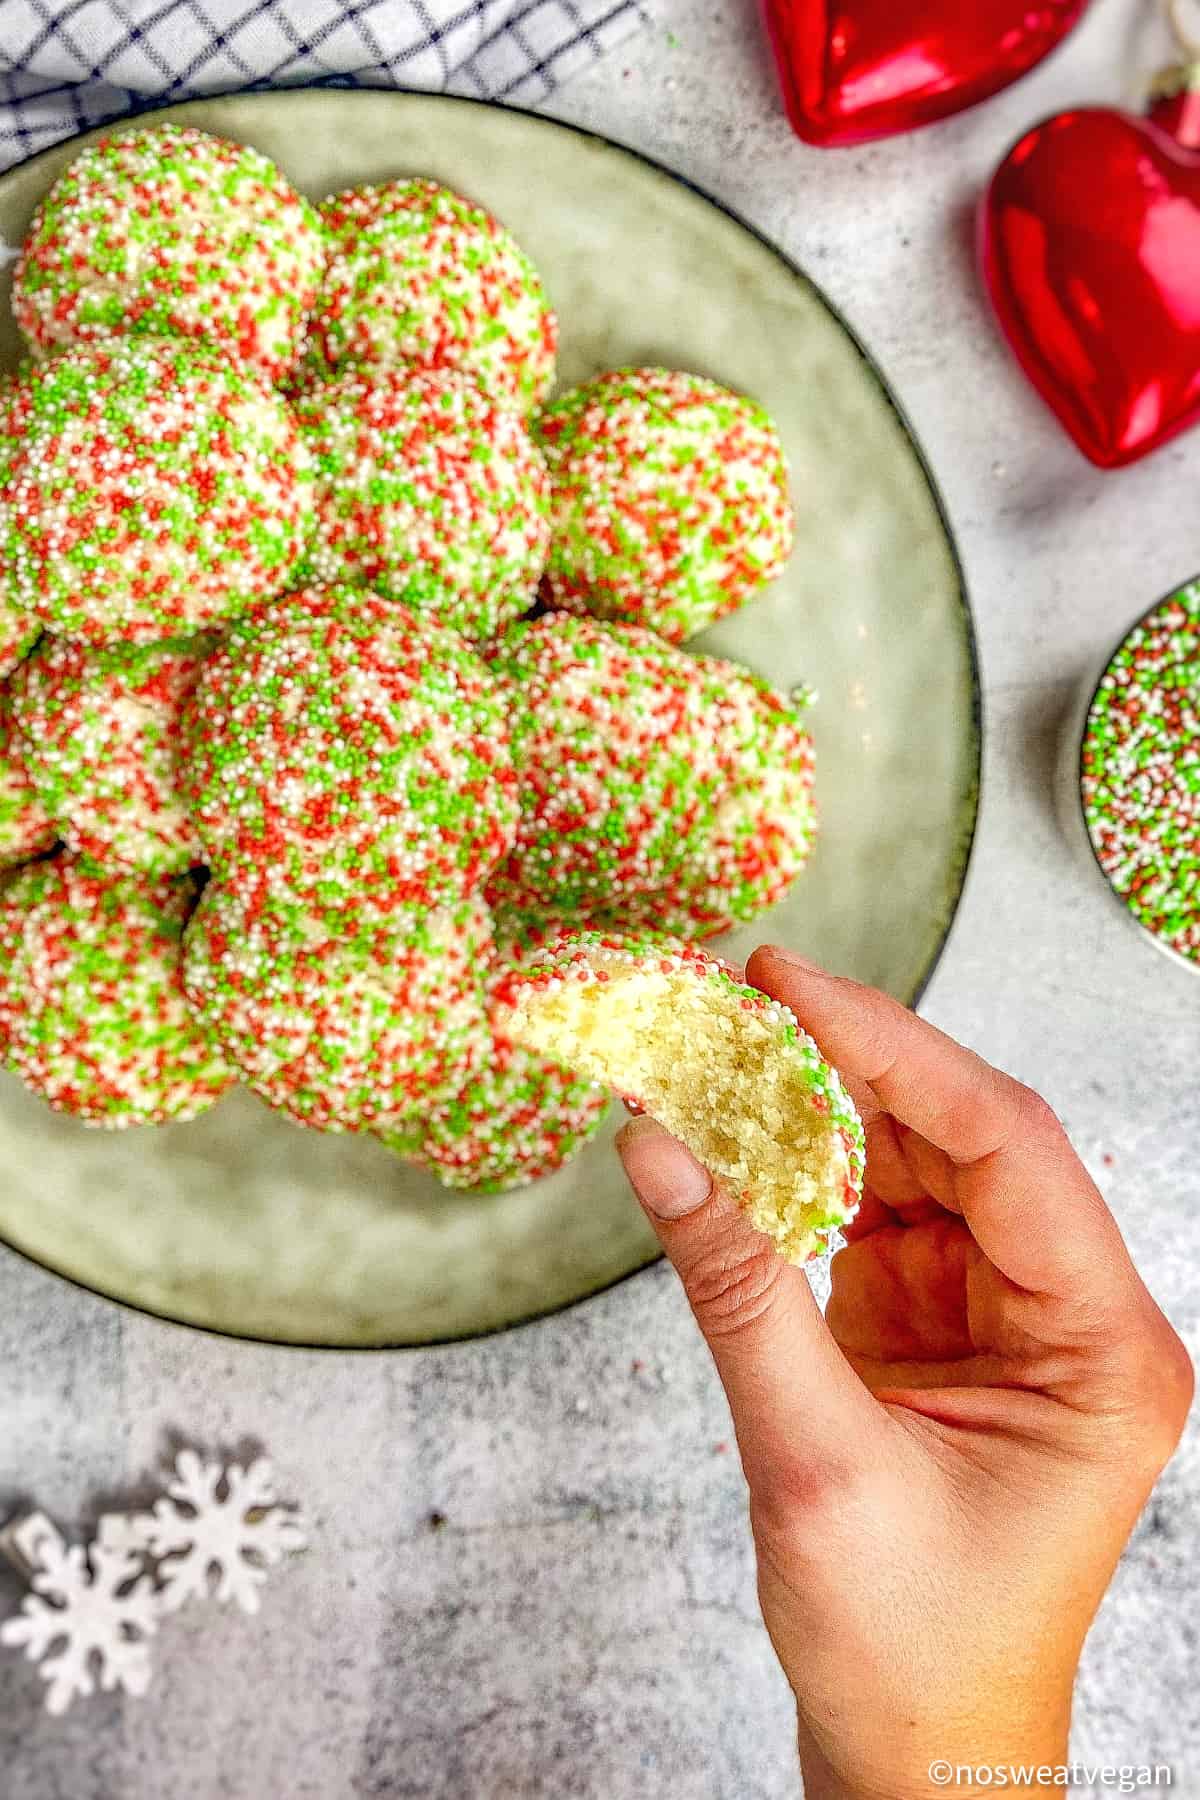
(97, 1605)
(216, 1522)
(93, 1611)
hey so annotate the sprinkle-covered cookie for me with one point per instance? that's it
(419, 275)
(353, 743)
(670, 502)
(26, 828)
(430, 493)
(19, 630)
(92, 1013)
(519, 1119)
(765, 822)
(656, 787)
(101, 730)
(723, 1067)
(346, 1033)
(155, 489)
(1141, 772)
(167, 231)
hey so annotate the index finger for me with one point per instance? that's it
(1031, 1205)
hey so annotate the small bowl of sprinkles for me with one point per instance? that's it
(1139, 773)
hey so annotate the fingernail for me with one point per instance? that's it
(792, 958)
(666, 1178)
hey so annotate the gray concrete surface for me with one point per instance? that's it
(583, 1623)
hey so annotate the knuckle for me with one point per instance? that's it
(1167, 1382)
(1157, 1386)
(1026, 1115)
(803, 1506)
(797, 1484)
(1036, 1115)
(732, 1287)
(953, 1122)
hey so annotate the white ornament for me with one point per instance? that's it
(215, 1521)
(97, 1604)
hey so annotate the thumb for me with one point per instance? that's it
(798, 1408)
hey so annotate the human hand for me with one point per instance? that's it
(943, 1472)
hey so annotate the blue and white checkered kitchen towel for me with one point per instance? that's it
(66, 65)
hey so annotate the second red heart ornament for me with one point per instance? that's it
(859, 69)
(1090, 244)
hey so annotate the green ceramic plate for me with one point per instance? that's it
(248, 1225)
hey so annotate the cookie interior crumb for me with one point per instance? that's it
(715, 1074)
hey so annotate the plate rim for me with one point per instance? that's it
(970, 803)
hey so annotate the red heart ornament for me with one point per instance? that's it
(1090, 245)
(859, 69)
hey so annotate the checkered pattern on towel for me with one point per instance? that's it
(66, 65)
